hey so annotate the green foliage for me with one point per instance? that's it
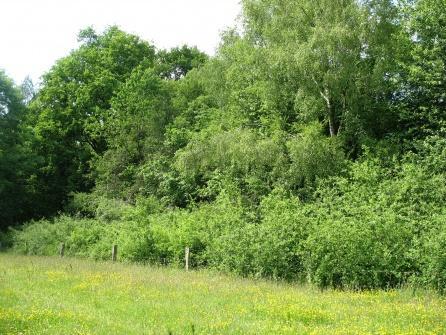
(69, 113)
(311, 147)
(93, 205)
(41, 237)
(313, 156)
(370, 225)
(207, 230)
(5, 240)
(177, 62)
(422, 93)
(362, 230)
(278, 240)
(137, 120)
(337, 54)
(433, 261)
(17, 160)
(84, 238)
(250, 162)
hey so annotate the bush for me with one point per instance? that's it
(433, 257)
(93, 205)
(348, 253)
(377, 226)
(280, 236)
(44, 237)
(206, 229)
(367, 226)
(84, 238)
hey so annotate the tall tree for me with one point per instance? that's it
(138, 117)
(69, 115)
(16, 160)
(330, 50)
(423, 90)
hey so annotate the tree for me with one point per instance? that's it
(423, 85)
(69, 114)
(138, 158)
(177, 62)
(138, 117)
(332, 51)
(16, 160)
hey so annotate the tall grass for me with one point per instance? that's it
(49, 295)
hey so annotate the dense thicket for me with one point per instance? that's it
(311, 147)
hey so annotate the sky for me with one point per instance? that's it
(35, 33)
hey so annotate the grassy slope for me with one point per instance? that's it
(54, 296)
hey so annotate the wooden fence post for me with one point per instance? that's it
(62, 249)
(186, 258)
(114, 252)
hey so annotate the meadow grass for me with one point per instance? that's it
(49, 295)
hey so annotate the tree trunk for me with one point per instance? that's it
(331, 121)
(331, 113)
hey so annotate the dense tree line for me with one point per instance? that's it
(316, 134)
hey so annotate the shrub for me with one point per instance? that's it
(367, 226)
(433, 257)
(93, 205)
(85, 238)
(280, 236)
(44, 237)
(376, 226)
(206, 229)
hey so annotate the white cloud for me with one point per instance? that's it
(35, 33)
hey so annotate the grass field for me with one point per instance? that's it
(67, 296)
